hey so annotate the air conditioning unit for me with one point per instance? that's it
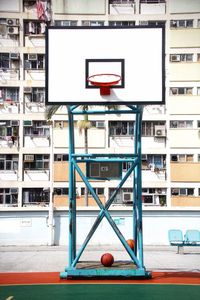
(159, 191)
(14, 56)
(160, 131)
(175, 57)
(100, 124)
(13, 30)
(14, 123)
(28, 123)
(32, 56)
(12, 22)
(29, 157)
(127, 197)
(27, 90)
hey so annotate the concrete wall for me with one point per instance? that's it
(31, 227)
(185, 172)
(184, 6)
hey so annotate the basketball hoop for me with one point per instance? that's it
(104, 81)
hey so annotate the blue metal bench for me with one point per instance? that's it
(191, 238)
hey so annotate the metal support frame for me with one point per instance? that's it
(136, 256)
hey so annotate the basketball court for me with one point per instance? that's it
(104, 72)
(37, 286)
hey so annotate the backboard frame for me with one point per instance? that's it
(104, 100)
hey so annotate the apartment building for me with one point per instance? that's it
(34, 151)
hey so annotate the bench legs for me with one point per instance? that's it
(180, 249)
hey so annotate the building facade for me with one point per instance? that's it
(34, 151)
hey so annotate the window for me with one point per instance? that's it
(98, 191)
(182, 191)
(182, 157)
(9, 128)
(121, 128)
(98, 124)
(92, 23)
(181, 124)
(122, 23)
(61, 157)
(36, 161)
(181, 57)
(152, 23)
(8, 197)
(9, 94)
(9, 162)
(36, 128)
(38, 95)
(61, 191)
(148, 127)
(65, 23)
(35, 196)
(34, 61)
(34, 27)
(155, 161)
(121, 1)
(123, 197)
(181, 91)
(181, 23)
(4, 61)
(60, 124)
(126, 166)
(152, 1)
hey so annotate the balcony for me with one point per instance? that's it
(7, 76)
(118, 7)
(34, 33)
(8, 197)
(34, 107)
(154, 7)
(35, 197)
(8, 167)
(9, 106)
(36, 134)
(34, 66)
(36, 167)
(36, 175)
(9, 32)
(9, 134)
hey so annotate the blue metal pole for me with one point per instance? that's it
(72, 190)
(138, 190)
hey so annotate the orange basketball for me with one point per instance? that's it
(107, 259)
(131, 243)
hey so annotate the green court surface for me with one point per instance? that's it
(100, 292)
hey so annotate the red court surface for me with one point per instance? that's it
(192, 278)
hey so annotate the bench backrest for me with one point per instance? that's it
(192, 236)
(175, 236)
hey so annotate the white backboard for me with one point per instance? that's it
(75, 53)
